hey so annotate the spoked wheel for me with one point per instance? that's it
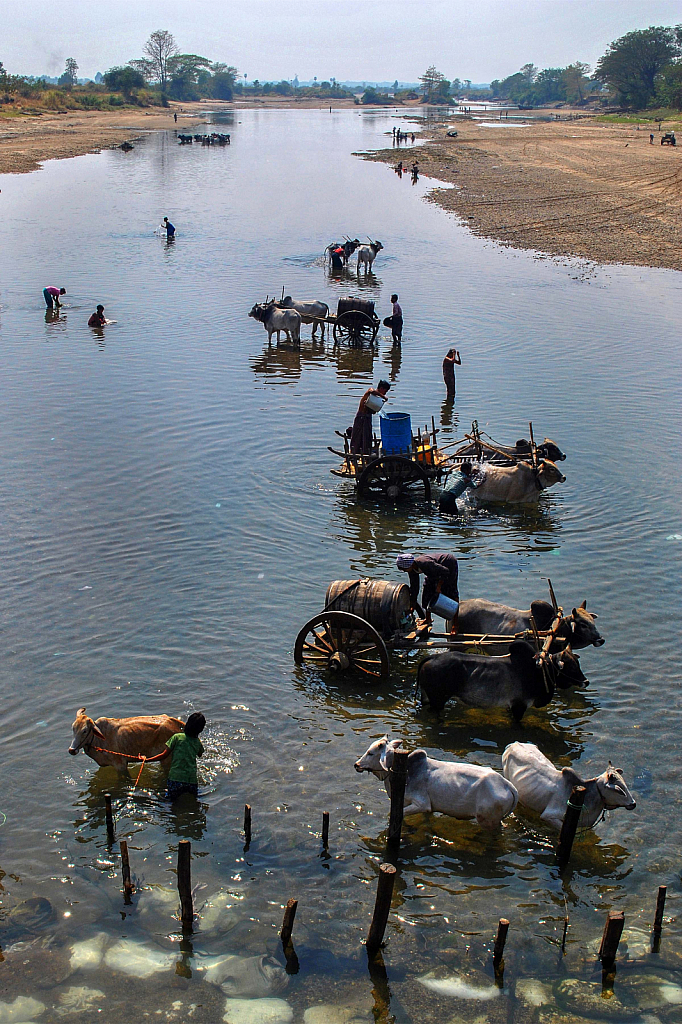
(391, 477)
(342, 642)
(355, 328)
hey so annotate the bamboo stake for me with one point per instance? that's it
(500, 939)
(660, 907)
(288, 921)
(125, 870)
(247, 824)
(325, 829)
(185, 884)
(569, 825)
(382, 908)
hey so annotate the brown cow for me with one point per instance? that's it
(142, 734)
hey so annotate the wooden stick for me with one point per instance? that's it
(382, 908)
(613, 929)
(566, 924)
(398, 777)
(185, 884)
(247, 824)
(660, 906)
(288, 921)
(125, 869)
(109, 815)
(553, 596)
(325, 829)
(569, 825)
(500, 939)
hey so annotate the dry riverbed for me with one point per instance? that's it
(578, 188)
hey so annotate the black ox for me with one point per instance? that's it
(515, 681)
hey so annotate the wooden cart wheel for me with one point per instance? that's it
(355, 327)
(340, 642)
(391, 476)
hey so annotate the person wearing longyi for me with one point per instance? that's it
(52, 295)
(441, 573)
(184, 747)
(361, 435)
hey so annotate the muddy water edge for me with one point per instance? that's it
(169, 523)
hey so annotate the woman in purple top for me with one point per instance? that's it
(51, 296)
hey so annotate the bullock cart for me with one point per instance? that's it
(481, 447)
(355, 321)
(390, 474)
(362, 618)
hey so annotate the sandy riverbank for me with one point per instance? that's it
(588, 189)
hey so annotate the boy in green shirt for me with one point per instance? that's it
(184, 747)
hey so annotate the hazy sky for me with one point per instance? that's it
(371, 40)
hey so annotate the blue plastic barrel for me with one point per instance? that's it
(396, 432)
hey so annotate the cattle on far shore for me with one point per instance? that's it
(116, 741)
(544, 789)
(458, 789)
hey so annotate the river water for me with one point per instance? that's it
(169, 522)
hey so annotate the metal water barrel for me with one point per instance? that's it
(353, 302)
(384, 605)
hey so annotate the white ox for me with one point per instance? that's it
(544, 789)
(459, 790)
(367, 255)
(313, 312)
(127, 737)
(275, 320)
(520, 483)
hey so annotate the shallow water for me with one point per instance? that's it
(169, 523)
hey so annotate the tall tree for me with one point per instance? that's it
(576, 81)
(431, 82)
(631, 63)
(159, 51)
(70, 76)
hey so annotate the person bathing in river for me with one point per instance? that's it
(52, 295)
(184, 747)
(361, 433)
(441, 573)
(97, 319)
(451, 360)
(170, 228)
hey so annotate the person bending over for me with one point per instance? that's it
(51, 296)
(441, 573)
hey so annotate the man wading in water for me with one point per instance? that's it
(395, 322)
(361, 435)
(451, 360)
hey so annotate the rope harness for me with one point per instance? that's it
(117, 753)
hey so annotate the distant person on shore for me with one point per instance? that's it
(451, 360)
(651, 138)
(395, 322)
(415, 173)
(175, 118)
(361, 433)
(97, 319)
(184, 747)
(51, 296)
(170, 228)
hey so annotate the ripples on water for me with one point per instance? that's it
(169, 523)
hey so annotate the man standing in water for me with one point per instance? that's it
(170, 228)
(361, 434)
(451, 360)
(441, 571)
(51, 296)
(395, 322)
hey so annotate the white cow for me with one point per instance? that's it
(460, 790)
(367, 255)
(520, 483)
(310, 312)
(275, 320)
(544, 789)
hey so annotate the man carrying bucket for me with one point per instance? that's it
(361, 433)
(441, 573)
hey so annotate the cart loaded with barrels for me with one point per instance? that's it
(399, 463)
(362, 618)
(355, 322)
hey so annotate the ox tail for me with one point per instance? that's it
(326, 310)
(513, 797)
(418, 683)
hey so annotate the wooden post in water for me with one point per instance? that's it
(569, 825)
(109, 816)
(500, 939)
(185, 884)
(247, 824)
(382, 908)
(398, 777)
(325, 829)
(660, 907)
(288, 922)
(613, 929)
(125, 871)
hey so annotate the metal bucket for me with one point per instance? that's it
(444, 606)
(374, 403)
(384, 605)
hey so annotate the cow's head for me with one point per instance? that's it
(568, 671)
(378, 758)
(548, 474)
(552, 451)
(583, 630)
(258, 312)
(84, 731)
(613, 791)
(377, 246)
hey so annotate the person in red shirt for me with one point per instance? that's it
(97, 319)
